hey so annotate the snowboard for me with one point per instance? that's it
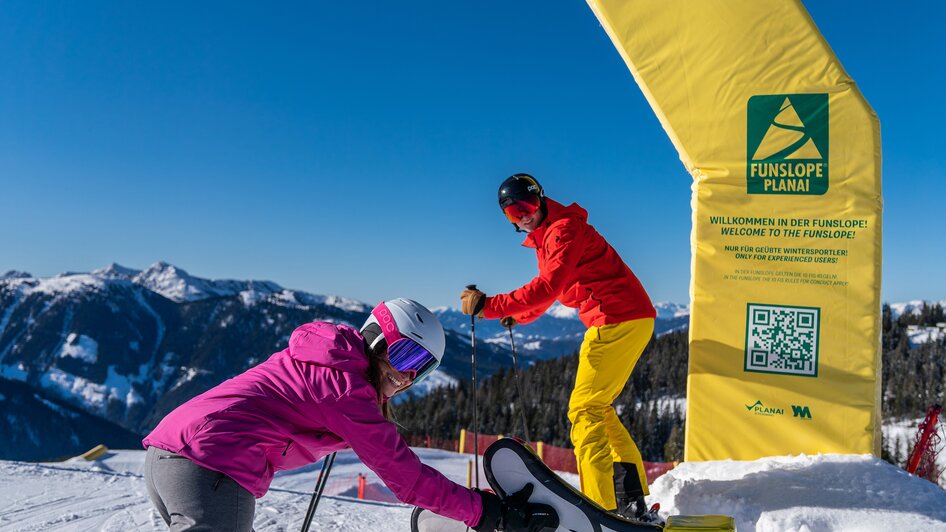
(510, 465)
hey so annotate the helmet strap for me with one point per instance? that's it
(386, 321)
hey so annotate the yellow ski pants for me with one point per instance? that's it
(607, 356)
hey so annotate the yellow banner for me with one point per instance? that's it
(785, 287)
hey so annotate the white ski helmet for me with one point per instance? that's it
(412, 321)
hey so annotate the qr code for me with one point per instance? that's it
(782, 339)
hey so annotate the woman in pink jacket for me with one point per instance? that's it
(209, 458)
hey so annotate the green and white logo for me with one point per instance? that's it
(801, 411)
(787, 144)
(758, 408)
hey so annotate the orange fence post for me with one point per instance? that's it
(361, 486)
(462, 440)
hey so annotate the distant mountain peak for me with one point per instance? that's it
(913, 307)
(171, 282)
(668, 310)
(177, 285)
(16, 274)
(558, 310)
(116, 271)
(163, 268)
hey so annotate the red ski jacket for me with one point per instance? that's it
(577, 267)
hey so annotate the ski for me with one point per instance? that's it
(426, 521)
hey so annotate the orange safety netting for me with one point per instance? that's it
(557, 458)
(560, 459)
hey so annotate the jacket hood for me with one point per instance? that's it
(326, 344)
(556, 212)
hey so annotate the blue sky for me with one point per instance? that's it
(355, 148)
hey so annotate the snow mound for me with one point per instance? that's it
(804, 493)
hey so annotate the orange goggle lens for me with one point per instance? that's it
(519, 209)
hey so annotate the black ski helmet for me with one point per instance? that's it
(519, 187)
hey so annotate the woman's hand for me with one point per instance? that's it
(515, 513)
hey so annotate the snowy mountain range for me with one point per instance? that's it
(127, 346)
(557, 332)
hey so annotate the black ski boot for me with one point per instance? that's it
(639, 511)
(629, 495)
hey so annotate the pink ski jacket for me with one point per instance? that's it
(303, 403)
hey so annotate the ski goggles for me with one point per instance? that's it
(520, 208)
(406, 355)
(411, 358)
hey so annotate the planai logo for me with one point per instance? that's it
(757, 403)
(801, 411)
(787, 144)
(759, 409)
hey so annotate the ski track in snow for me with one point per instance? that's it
(159, 323)
(7, 315)
(71, 497)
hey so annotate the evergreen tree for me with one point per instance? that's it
(912, 378)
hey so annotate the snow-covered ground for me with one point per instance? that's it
(804, 494)
(921, 335)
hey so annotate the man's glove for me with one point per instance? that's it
(508, 322)
(515, 513)
(472, 302)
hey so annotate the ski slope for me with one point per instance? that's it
(803, 494)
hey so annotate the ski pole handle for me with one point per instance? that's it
(480, 306)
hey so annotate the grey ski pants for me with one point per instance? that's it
(195, 499)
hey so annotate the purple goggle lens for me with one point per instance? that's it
(407, 356)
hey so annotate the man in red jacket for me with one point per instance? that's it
(581, 270)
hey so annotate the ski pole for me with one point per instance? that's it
(317, 493)
(515, 370)
(476, 434)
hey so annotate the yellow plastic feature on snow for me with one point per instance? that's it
(700, 523)
(786, 245)
(94, 453)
